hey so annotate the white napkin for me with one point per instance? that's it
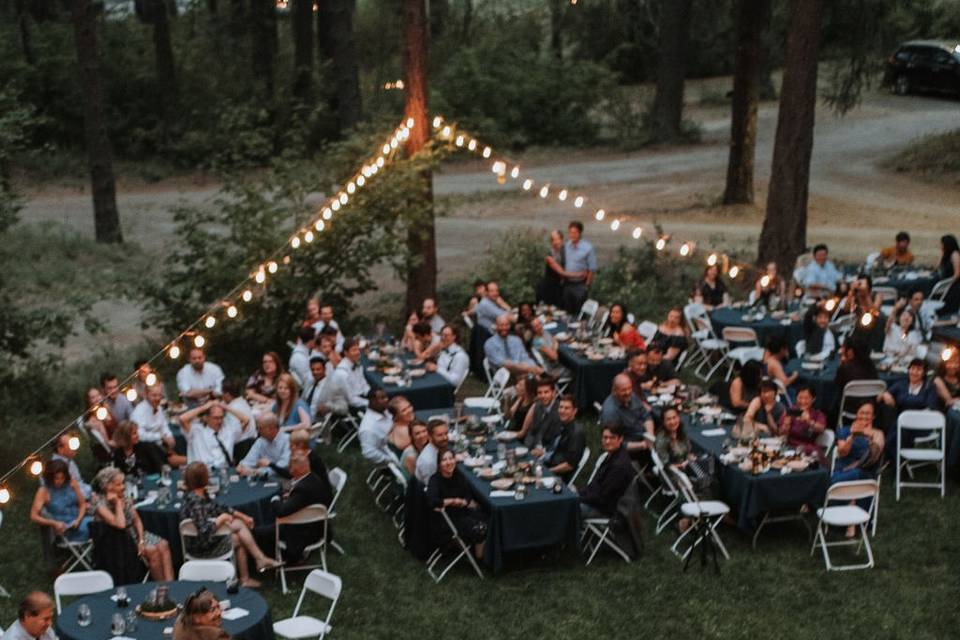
(121, 638)
(502, 494)
(235, 613)
(714, 432)
(146, 501)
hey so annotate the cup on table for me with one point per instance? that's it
(84, 615)
(117, 625)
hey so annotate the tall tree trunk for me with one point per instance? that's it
(99, 155)
(667, 112)
(752, 19)
(421, 238)
(556, 27)
(346, 65)
(301, 22)
(784, 234)
(163, 56)
(263, 38)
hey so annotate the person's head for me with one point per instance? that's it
(866, 413)
(328, 344)
(479, 288)
(622, 389)
(777, 346)
(62, 446)
(56, 473)
(567, 408)
(196, 476)
(318, 368)
(905, 321)
(503, 325)
(378, 400)
(575, 231)
(492, 290)
(306, 335)
(197, 357)
(768, 391)
(820, 254)
(94, 397)
(822, 318)
(446, 463)
(313, 308)
(771, 270)
(419, 434)
(402, 410)
(351, 350)
(35, 613)
(948, 245)
(556, 239)
(611, 438)
(711, 273)
(805, 397)
(110, 385)
(675, 317)
(287, 389)
(525, 312)
(448, 336)
(154, 395)
(527, 386)
(916, 299)
(638, 363)
(618, 314)
(903, 242)
(300, 440)
(213, 418)
(270, 364)
(299, 464)
(268, 426)
(536, 326)
(126, 435)
(109, 479)
(670, 421)
(750, 375)
(439, 434)
(326, 313)
(201, 609)
(917, 371)
(546, 390)
(422, 332)
(654, 355)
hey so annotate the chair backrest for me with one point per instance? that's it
(940, 289)
(871, 258)
(81, 583)
(398, 476)
(742, 336)
(324, 584)
(800, 348)
(921, 421)
(858, 389)
(825, 441)
(596, 466)
(852, 490)
(499, 382)
(647, 330)
(588, 310)
(308, 515)
(661, 471)
(338, 479)
(580, 465)
(697, 319)
(684, 484)
(467, 320)
(782, 392)
(488, 371)
(599, 318)
(209, 570)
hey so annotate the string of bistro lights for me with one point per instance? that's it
(228, 306)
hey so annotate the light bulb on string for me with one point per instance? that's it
(210, 322)
(712, 259)
(459, 141)
(344, 198)
(374, 169)
(131, 394)
(614, 225)
(831, 304)
(386, 148)
(527, 184)
(734, 271)
(295, 242)
(498, 167)
(101, 413)
(562, 195)
(637, 232)
(247, 295)
(946, 354)
(272, 266)
(487, 151)
(599, 214)
(394, 143)
(73, 443)
(544, 191)
(199, 341)
(661, 243)
(308, 236)
(351, 187)
(151, 379)
(174, 352)
(320, 226)
(380, 162)
(4, 495)
(327, 214)
(36, 468)
(685, 249)
(437, 121)
(232, 311)
(765, 281)
(366, 171)
(261, 276)
(866, 320)
(335, 205)
(472, 145)
(578, 202)
(410, 123)
(515, 173)
(446, 132)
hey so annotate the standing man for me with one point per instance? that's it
(34, 619)
(580, 267)
(199, 380)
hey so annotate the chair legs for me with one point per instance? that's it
(769, 519)
(863, 541)
(595, 537)
(705, 528)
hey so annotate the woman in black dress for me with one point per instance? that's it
(550, 289)
(451, 492)
(950, 269)
(711, 287)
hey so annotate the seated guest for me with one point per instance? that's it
(427, 460)
(525, 397)
(743, 388)
(60, 504)
(599, 498)
(120, 408)
(819, 340)
(549, 348)
(199, 380)
(623, 333)
(769, 286)
(429, 314)
(855, 363)
(312, 317)
(947, 382)
(449, 491)
(424, 343)
(62, 451)
(238, 417)
(291, 411)
(208, 516)
(660, 369)
(902, 337)
(210, 441)
(34, 619)
(489, 308)
(327, 324)
(899, 254)
(201, 618)
(820, 277)
(452, 362)
(562, 454)
(403, 414)
(525, 313)
(374, 428)
(672, 445)
(859, 447)
(711, 290)
(637, 370)
(133, 457)
(300, 443)
(144, 369)
(262, 384)
(624, 409)
(671, 335)
(765, 411)
(152, 422)
(923, 316)
(803, 424)
(270, 451)
(914, 393)
(112, 507)
(542, 423)
(419, 437)
(775, 353)
(327, 345)
(317, 393)
(300, 356)
(350, 388)
(503, 349)
(104, 426)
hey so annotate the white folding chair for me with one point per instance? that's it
(467, 320)
(80, 583)
(207, 570)
(705, 514)
(188, 529)
(580, 465)
(459, 548)
(488, 371)
(667, 490)
(599, 319)
(826, 440)
(842, 326)
(800, 348)
(743, 347)
(323, 584)
(929, 422)
(846, 515)
(939, 291)
(588, 311)
(647, 330)
(78, 550)
(597, 534)
(351, 430)
(858, 390)
(490, 401)
(708, 348)
(338, 480)
(397, 507)
(312, 514)
(596, 466)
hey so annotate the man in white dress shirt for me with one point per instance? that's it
(374, 429)
(300, 356)
(270, 451)
(427, 460)
(349, 386)
(199, 380)
(151, 419)
(452, 363)
(208, 441)
(326, 320)
(317, 393)
(34, 619)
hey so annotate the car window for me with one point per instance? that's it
(942, 57)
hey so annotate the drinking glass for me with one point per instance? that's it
(131, 621)
(117, 626)
(84, 615)
(165, 475)
(122, 599)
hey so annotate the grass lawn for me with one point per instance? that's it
(778, 590)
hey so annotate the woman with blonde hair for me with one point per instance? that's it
(292, 412)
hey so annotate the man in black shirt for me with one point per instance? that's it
(599, 498)
(660, 370)
(562, 454)
(542, 422)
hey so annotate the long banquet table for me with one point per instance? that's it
(429, 391)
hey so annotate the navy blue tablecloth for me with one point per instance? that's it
(730, 317)
(821, 381)
(426, 392)
(257, 625)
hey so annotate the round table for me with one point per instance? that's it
(256, 625)
(253, 500)
(791, 330)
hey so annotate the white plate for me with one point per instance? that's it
(490, 419)
(391, 379)
(502, 483)
(507, 436)
(548, 482)
(562, 336)
(521, 451)
(417, 373)
(710, 411)
(474, 462)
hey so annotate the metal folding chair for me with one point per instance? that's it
(933, 425)
(846, 515)
(459, 548)
(315, 513)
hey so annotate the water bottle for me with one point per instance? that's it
(501, 451)
(224, 481)
(538, 473)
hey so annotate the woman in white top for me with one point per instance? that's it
(902, 337)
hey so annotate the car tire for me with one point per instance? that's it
(901, 85)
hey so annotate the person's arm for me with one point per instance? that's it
(887, 399)
(502, 304)
(527, 422)
(736, 394)
(187, 417)
(111, 511)
(552, 353)
(81, 504)
(751, 413)
(553, 264)
(942, 392)
(249, 462)
(242, 417)
(296, 501)
(40, 499)
(373, 449)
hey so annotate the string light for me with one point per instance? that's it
(544, 191)
(487, 151)
(344, 198)
(446, 132)
(578, 202)
(36, 468)
(459, 141)
(247, 295)
(734, 271)
(174, 352)
(199, 341)
(527, 184)
(210, 322)
(685, 249)
(73, 443)
(599, 214)
(320, 225)
(614, 225)
(866, 320)
(712, 259)
(380, 162)
(4, 495)
(498, 167)
(661, 243)
(437, 121)
(637, 232)
(131, 394)
(515, 173)
(562, 195)
(946, 354)
(101, 413)
(351, 187)
(472, 145)
(410, 121)
(261, 276)
(308, 236)
(231, 311)
(295, 243)
(831, 304)
(327, 214)
(361, 181)
(765, 281)
(151, 379)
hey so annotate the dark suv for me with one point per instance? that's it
(925, 65)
